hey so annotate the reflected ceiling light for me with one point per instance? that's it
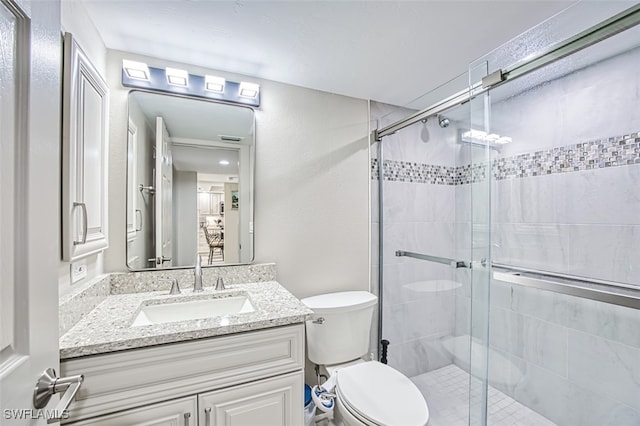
(249, 90)
(213, 83)
(136, 70)
(476, 136)
(177, 77)
(224, 162)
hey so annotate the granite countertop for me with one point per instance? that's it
(108, 327)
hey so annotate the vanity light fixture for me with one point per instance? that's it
(177, 77)
(214, 84)
(179, 81)
(136, 70)
(249, 90)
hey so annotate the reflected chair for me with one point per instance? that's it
(215, 239)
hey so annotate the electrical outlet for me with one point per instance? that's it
(78, 271)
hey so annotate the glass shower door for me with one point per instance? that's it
(556, 225)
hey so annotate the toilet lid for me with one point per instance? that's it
(382, 395)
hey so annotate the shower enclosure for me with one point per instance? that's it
(509, 229)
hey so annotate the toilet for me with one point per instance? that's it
(367, 392)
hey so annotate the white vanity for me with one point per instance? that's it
(242, 368)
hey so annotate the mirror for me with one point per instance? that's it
(190, 166)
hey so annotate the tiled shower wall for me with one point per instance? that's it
(419, 216)
(565, 198)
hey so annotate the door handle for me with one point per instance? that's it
(207, 416)
(138, 220)
(160, 260)
(84, 223)
(49, 384)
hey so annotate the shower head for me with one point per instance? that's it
(444, 122)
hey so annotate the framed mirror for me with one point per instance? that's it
(190, 171)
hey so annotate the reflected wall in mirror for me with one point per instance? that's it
(189, 182)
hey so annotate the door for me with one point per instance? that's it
(30, 193)
(164, 198)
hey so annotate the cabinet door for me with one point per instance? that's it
(272, 402)
(178, 412)
(84, 160)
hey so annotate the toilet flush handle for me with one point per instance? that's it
(319, 320)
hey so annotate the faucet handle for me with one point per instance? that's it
(175, 288)
(220, 284)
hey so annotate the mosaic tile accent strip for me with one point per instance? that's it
(404, 171)
(597, 154)
(609, 152)
(375, 169)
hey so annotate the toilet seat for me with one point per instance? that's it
(378, 395)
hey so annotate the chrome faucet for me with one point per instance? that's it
(220, 284)
(175, 288)
(197, 282)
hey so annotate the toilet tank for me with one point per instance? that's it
(340, 328)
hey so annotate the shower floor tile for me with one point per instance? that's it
(447, 393)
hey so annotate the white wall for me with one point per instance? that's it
(311, 185)
(418, 216)
(75, 20)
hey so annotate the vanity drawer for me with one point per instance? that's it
(127, 379)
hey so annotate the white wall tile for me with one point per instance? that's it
(607, 252)
(607, 368)
(603, 196)
(537, 246)
(612, 322)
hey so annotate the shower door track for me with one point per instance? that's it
(608, 28)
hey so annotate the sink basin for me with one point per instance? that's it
(192, 309)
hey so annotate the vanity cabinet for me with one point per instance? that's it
(84, 155)
(234, 379)
(271, 402)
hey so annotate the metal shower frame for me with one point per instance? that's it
(590, 289)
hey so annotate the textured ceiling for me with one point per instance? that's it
(389, 51)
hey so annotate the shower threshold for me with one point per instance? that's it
(447, 393)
